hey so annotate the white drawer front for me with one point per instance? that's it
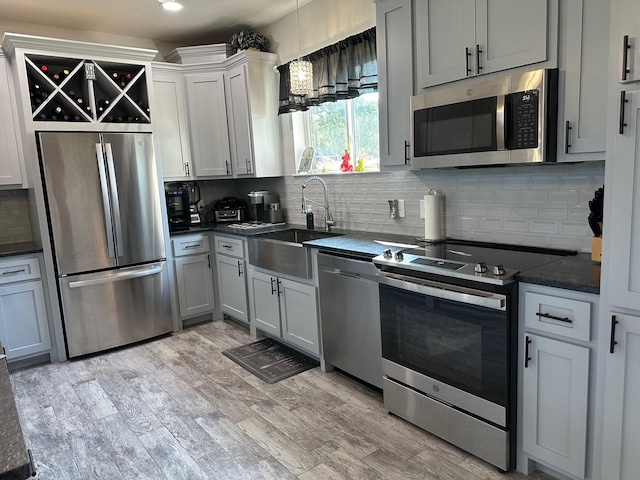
(19, 270)
(561, 316)
(190, 244)
(230, 246)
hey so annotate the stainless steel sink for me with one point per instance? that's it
(283, 251)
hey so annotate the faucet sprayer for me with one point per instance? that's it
(328, 218)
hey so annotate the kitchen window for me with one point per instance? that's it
(344, 135)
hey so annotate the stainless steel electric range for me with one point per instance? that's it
(448, 315)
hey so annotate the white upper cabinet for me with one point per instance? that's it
(10, 148)
(171, 123)
(584, 60)
(455, 40)
(251, 88)
(623, 234)
(208, 124)
(395, 79)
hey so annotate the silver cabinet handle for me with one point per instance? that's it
(195, 245)
(186, 168)
(125, 275)
(246, 160)
(239, 268)
(226, 164)
(106, 205)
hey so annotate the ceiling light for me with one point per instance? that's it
(300, 71)
(170, 5)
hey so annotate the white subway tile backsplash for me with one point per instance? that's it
(515, 225)
(535, 205)
(542, 226)
(552, 213)
(534, 197)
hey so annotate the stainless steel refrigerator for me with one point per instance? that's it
(105, 217)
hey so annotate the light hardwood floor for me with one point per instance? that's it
(176, 408)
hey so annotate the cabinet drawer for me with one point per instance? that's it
(558, 315)
(190, 244)
(19, 270)
(230, 246)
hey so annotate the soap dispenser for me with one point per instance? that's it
(310, 224)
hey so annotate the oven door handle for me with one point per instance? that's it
(454, 293)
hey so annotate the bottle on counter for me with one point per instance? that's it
(310, 223)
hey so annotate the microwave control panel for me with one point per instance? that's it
(524, 111)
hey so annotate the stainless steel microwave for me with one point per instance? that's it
(494, 121)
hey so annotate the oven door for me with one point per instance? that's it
(455, 338)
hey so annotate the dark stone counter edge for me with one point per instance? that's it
(15, 249)
(14, 456)
(577, 271)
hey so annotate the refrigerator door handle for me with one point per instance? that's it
(114, 199)
(124, 275)
(105, 201)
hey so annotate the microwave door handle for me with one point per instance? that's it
(500, 122)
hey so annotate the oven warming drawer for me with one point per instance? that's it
(469, 433)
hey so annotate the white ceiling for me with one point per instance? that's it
(215, 20)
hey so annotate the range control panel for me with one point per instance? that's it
(524, 110)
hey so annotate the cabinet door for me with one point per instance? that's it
(233, 287)
(511, 33)
(24, 328)
(624, 232)
(445, 33)
(621, 433)
(171, 126)
(10, 173)
(395, 79)
(195, 284)
(299, 312)
(208, 125)
(239, 120)
(265, 306)
(583, 80)
(555, 391)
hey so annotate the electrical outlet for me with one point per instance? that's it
(422, 208)
(401, 208)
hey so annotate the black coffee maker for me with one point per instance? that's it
(182, 205)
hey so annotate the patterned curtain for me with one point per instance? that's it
(340, 71)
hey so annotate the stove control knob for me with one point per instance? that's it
(399, 256)
(481, 267)
(498, 270)
(387, 253)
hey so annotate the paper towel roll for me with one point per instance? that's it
(433, 217)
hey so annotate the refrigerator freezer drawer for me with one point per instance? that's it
(117, 307)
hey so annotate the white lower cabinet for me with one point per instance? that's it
(285, 308)
(194, 276)
(555, 392)
(621, 419)
(24, 328)
(557, 380)
(232, 284)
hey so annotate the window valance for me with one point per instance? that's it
(340, 71)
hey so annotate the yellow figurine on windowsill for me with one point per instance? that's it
(359, 165)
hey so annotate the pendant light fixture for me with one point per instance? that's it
(300, 71)
(170, 5)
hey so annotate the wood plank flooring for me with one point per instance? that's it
(176, 408)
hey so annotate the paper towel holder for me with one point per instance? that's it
(393, 208)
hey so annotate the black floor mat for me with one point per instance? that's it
(270, 360)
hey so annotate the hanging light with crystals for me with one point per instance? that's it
(300, 71)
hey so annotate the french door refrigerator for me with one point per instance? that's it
(105, 218)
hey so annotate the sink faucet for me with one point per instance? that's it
(328, 218)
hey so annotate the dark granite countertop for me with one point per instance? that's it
(14, 459)
(577, 273)
(23, 248)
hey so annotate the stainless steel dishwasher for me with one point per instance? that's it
(350, 316)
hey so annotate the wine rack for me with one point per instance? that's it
(74, 90)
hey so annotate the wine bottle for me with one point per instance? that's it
(55, 77)
(79, 101)
(57, 110)
(71, 93)
(104, 103)
(42, 116)
(124, 79)
(44, 68)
